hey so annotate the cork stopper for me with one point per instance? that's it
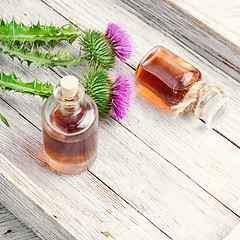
(69, 86)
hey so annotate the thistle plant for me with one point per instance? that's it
(61, 58)
(13, 83)
(38, 35)
(98, 85)
(23, 42)
(123, 94)
(110, 95)
(98, 48)
(101, 49)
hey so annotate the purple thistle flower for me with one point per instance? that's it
(120, 41)
(123, 95)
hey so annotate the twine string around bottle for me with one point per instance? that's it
(193, 97)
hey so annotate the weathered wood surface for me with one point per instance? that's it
(157, 127)
(145, 41)
(158, 179)
(211, 28)
(223, 17)
(12, 228)
(234, 235)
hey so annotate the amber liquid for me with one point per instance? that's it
(70, 149)
(165, 77)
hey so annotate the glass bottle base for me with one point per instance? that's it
(70, 169)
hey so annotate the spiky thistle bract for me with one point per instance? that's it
(97, 49)
(98, 86)
(103, 48)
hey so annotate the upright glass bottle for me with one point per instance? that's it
(166, 78)
(70, 128)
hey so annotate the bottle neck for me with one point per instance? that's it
(207, 101)
(212, 107)
(69, 105)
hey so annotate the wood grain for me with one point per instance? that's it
(132, 168)
(12, 228)
(223, 17)
(84, 206)
(62, 207)
(198, 31)
(144, 42)
(234, 235)
(206, 159)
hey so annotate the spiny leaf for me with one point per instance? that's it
(62, 58)
(37, 34)
(12, 82)
(97, 49)
(98, 86)
(4, 120)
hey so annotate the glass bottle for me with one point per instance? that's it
(70, 128)
(169, 82)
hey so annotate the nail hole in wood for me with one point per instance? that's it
(8, 231)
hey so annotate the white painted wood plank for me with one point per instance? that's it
(62, 207)
(222, 16)
(12, 228)
(161, 201)
(145, 37)
(235, 234)
(185, 22)
(86, 207)
(115, 172)
(206, 159)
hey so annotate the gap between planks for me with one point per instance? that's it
(133, 68)
(106, 185)
(12, 228)
(157, 13)
(150, 149)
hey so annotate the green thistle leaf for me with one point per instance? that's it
(62, 58)
(12, 82)
(97, 49)
(4, 120)
(98, 86)
(36, 34)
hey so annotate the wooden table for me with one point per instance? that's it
(155, 177)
